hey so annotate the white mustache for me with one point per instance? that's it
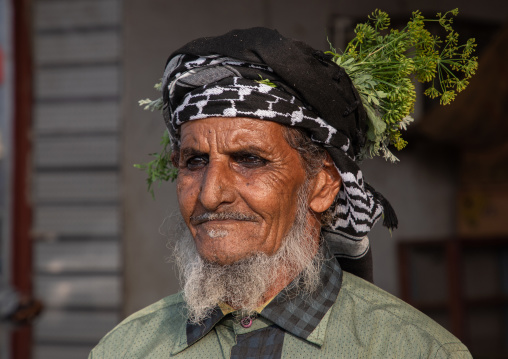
(222, 216)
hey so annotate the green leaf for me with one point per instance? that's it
(266, 82)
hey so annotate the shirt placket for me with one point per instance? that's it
(238, 339)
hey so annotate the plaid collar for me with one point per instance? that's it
(296, 313)
(300, 314)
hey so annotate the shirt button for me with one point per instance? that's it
(246, 322)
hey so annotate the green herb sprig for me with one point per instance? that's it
(381, 62)
(160, 168)
(265, 82)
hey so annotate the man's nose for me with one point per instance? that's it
(217, 185)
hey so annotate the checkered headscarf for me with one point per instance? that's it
(220, 77)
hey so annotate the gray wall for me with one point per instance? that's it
(75, 173)
(421, 187)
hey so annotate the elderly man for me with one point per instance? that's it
(265, 132)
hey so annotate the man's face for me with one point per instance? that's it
(244, 174)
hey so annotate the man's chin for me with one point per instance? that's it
(220, 252)
(225, 259)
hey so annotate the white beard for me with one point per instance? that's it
(244, 283)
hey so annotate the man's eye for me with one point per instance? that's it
(250, 160)
(196, 162)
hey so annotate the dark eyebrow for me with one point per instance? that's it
(187, 152)
(252, 149)
(190, 151)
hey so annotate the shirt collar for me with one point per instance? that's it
(226, 308)
(303, 315)
(300, 314)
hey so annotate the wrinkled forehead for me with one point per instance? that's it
(235, 134)
(241, 129)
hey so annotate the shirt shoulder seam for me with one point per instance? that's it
(165, 303)
(443, 345)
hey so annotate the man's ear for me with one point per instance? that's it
(326, 186)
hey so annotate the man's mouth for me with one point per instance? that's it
(222, 216)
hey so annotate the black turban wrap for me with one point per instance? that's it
(220, 77)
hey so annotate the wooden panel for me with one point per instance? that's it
(51, 222)
(77, 47)
(479, 264)
(88, 256)
(487, 328)
(87, 327)
(61, 352)
(65, 14)
(426, 264)
(77, 82)
(484, 166)
(76, 117)
(482, 212)
(78, 291)
(78, 151)
(76, 186)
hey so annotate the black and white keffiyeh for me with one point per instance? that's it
(219, 77)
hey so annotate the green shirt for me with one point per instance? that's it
(362, 322)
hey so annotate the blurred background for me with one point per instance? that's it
(79, 231)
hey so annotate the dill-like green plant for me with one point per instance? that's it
(381, 62)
